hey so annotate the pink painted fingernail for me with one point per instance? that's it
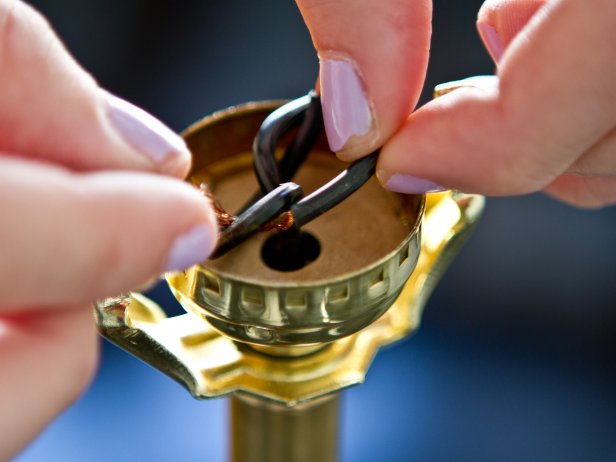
(408, 184)
(144, 132)
(346, 108)
(190, 248)
(492, 41)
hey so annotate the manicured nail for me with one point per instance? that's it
(492, 41)
(190, 248)
(346, 109)
(144, 132)
(408, 184)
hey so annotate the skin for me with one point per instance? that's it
(75, 194)
(548, 123)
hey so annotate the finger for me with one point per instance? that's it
(500, 21)
(51, 109)
(373, 58)
(599, 160)
(69, 239)
(48, 358)
(519, 135)
(583, 192)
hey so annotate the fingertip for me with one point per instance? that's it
(190, 248)
(164, 149)
(73, 122)
(372, 72)
(179, 165)
(197, 243)
(348, 114)
(500, 21)
(407, 184)
(491, 40)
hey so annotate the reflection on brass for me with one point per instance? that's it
(358, 274)
(284, 342)
(209, 364)
(479, 82)
(263, 431)
(369, 245)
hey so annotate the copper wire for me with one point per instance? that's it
(284, 221)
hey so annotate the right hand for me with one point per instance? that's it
(547, 123)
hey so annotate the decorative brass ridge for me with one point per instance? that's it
(209, 364)
(285, 343)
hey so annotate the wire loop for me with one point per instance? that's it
(278, 195)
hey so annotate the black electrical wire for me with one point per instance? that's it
(307, 134)
(272, 129)
(310, 127)
(267, 209)
(280, 198)
(334, 192)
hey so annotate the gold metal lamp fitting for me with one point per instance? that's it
(283, 343)
(210, 364)
(293, 337)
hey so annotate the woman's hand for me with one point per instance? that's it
(548, 122)
(373, 57)
(77, 220)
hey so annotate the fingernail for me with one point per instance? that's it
(346, 108)
(190, 248)
(408, 184)
(144, 132)
(492, 41)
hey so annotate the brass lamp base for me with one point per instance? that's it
(284, 344)
(265, 431)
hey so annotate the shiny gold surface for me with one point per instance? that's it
(369, 247)
(264, 431)
(292, 359)
(479, 82)
(208, 364)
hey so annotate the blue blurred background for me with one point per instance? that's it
(515, 358)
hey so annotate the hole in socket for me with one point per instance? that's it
(290, 250)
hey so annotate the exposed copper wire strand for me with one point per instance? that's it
(284, 221)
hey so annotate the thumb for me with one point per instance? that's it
(373, 59)
(517, 133)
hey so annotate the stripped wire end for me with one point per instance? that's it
(283, 222)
